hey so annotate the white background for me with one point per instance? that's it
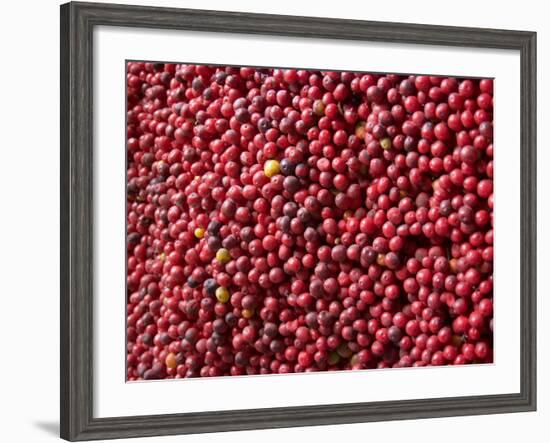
(113, 397)
(29, 224)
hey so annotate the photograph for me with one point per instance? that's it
(276, 221)
(287, 220)
(266, 222)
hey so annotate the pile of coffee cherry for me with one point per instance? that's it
(290, 220)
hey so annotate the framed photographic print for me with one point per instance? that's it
(272, 221)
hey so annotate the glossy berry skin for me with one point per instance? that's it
(271, 168)
(290, 220)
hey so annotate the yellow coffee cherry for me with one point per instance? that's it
(333, 358)
(171, 361)
(223, 255)
(199, 232)
(248, 313)
(385, 143)
(360, 130)
(222, 294)
(319, 107)
(271, 168)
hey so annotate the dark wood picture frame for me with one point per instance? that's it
(77, 24)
